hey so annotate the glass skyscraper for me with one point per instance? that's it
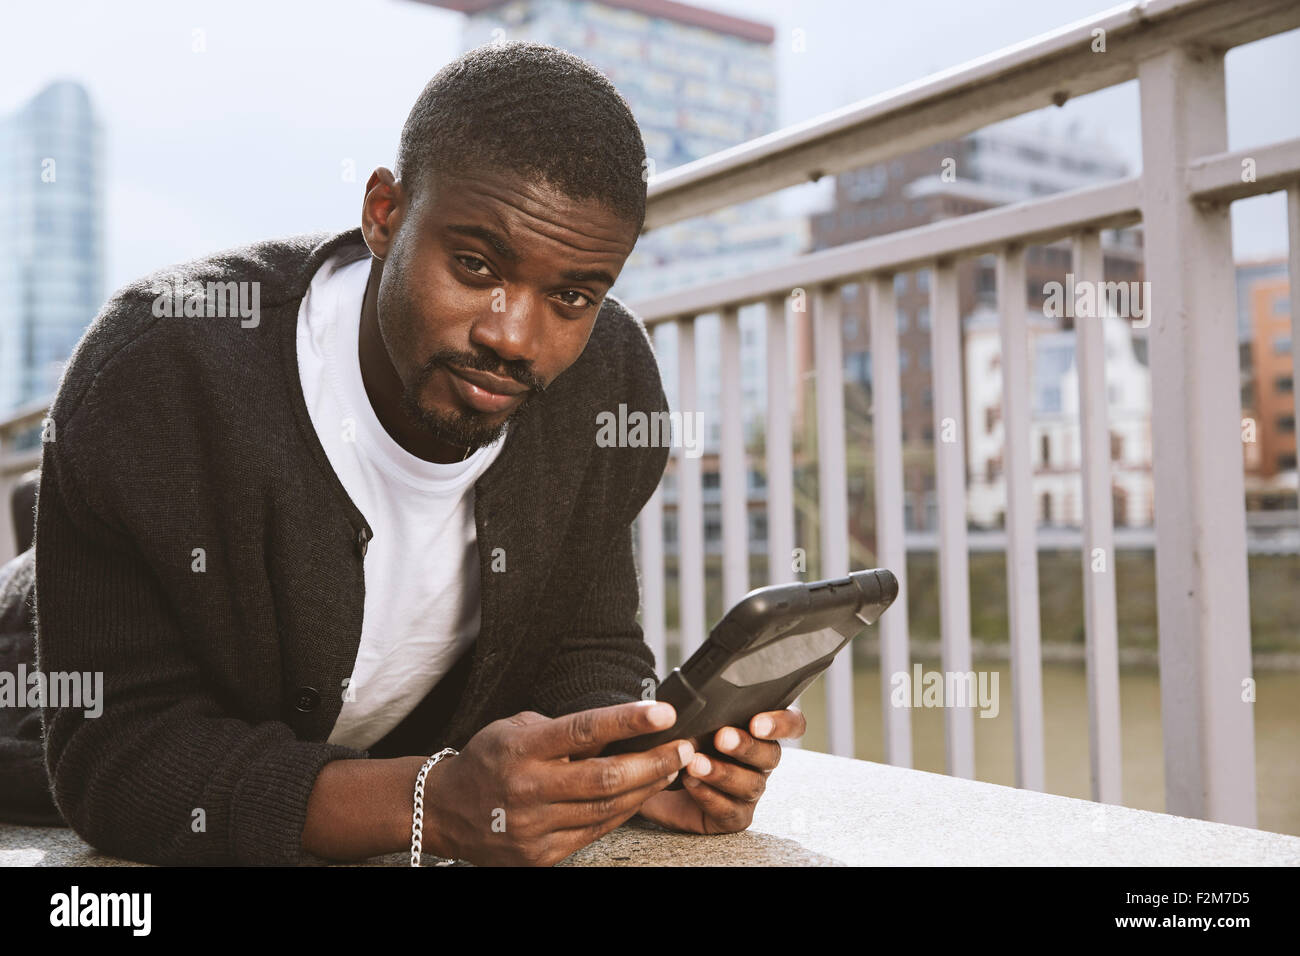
(51, 238)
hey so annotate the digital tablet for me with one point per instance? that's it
(764, 653)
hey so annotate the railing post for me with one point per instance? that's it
(1022, 547)
(732, 466)
(1099, 606)
(891, 546)
(778, 446)
(690, 501)
(950, 487)
(650, 534)
(1201, 570)
(833, 503)
(1293, 272)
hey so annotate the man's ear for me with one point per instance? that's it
(381, 212)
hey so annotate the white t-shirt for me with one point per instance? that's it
(421, 566)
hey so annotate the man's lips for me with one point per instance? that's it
(484, 391)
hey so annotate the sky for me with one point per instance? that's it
(251, 136)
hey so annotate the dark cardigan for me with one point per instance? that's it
(222, 685)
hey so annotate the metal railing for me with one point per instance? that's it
(1175, 50)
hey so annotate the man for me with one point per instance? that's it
(313, 540)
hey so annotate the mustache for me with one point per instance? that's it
(520, 371)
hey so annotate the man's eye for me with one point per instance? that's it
(586, 300)
(473, 263)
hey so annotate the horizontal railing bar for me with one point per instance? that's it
(1219, 178)
(24, 417)
(1039, 72)
(1109, 205)
(17, 462)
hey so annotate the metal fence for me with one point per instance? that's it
(1175, 50)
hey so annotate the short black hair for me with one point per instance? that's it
(530, 109)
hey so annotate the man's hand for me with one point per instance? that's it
(532, 790)
(719, 794)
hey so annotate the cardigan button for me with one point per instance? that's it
(363, 540)
(308, 699)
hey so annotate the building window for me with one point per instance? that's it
(923, 318)
(1282, 345)
(904, 357)
(1286, 461)
(1286, 423)
(900, 283)
(928, 397)
(1116, 447)
(1047, 449)
(992, 465)
(902, 319)
(857, 367)
(1047, 508)
(923, 280)
(1284, 383)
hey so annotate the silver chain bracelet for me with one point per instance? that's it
(417, 819)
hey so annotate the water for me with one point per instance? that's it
(1065, 730)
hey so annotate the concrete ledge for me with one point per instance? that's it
(830, 811)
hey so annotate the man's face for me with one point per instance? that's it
(490, 289)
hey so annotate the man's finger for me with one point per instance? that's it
(789, 724)
(598, 778)
(723, 813)
(744, 783)
(577, 814)
(588, 732)
(744, 748)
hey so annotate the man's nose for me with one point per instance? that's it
(513, 331)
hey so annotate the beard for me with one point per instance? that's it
(468, 429)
